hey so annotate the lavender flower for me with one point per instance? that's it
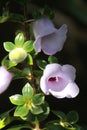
(47, 37)
(5, 79)
(59, 81)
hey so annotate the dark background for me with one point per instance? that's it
(74, 14)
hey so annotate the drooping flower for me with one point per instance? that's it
(47, 38)
(59, 81)
(5, 78)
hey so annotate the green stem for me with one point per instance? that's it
(27, 76)
(37, 127)
(26, 25)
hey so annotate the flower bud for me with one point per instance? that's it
(17, 55)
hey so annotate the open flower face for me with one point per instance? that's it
(5, 79)
(59, 81)
(47, 38)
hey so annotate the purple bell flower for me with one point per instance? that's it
(59, 81)
(47, 38)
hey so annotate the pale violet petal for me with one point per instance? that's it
(43, 85)
(5, 79)
(52, 69)
(70, 71)
(53, 42)
(70, 91)
(63, 29)
(43, 27)
(57, 94)
(56, 70)
(37, 44)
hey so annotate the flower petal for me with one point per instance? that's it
(54, 42)
(43, 27)
(37, 44)
(51, 44)
(52, 69)
(63, 30)
(5, 79)
(70, 72)
(70, 91)
(43, 85)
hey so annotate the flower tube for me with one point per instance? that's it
(59, 81)
(47, 38)
(5, 79)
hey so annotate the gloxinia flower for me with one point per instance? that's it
(59, 81)
(47, 38)
(5, 78)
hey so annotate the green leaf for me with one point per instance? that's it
(19, 127)
(36, 14)
(17, 99)
(2, 123)
(19, 40)
(5, 119)
(40, 117)
(27, 91)
(7, 63)
(9, 46)
(28, 46)
(16, 18)
(21, 111)
(60, 114)
(27, 70)
(72, 117)
(41, 64)
(46, 111)
(5, 13)
(38, 99)
(4, 19)
(52, 59)
(38, 73)
(29, 59)
(17, 75)
(36, 110)
(54, 126)
(48, 12)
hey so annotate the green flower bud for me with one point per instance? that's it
(17, 55)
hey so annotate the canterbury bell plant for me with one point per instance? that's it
(43, 76)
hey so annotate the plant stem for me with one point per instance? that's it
(37, 127)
